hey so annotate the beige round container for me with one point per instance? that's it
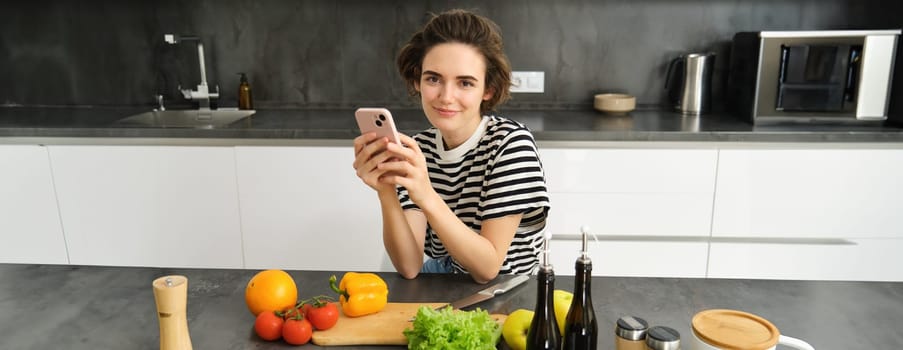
(614, 103)
(732, 329)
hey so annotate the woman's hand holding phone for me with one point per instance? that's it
(410, 170)
(369, 152)
(377, 131)
(385, 158)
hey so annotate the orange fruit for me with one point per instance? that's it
(271, 290)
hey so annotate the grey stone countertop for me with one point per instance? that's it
(550, 126)
(85, 307)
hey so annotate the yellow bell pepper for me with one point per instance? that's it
(361, 293)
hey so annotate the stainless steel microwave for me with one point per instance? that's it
(842, 75)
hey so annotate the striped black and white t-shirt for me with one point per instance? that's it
(495, 173)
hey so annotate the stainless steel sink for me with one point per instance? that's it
(192, 118)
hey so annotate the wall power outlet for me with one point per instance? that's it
(531, 82)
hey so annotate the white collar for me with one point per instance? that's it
(465, 147)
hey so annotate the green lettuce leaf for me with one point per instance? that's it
(453, 329)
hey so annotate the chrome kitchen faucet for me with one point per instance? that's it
(202, 94)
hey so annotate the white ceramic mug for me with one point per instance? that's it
(737, 329)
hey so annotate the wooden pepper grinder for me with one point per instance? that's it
(171, 295)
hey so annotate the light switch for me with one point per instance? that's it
(530, 82)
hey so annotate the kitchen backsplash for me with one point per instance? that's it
(324, 53)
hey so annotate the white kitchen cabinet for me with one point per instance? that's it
(30, 230)
(656, 202)
(828, 214)
(785, 213)
(867, 259)
(818, 193)
(630, 191)
(632, 214)
(304, 208)
(160, 206)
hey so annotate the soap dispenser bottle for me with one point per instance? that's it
(245, 101)
(580, 326)
(544, 333)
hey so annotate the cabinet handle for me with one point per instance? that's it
(760, 240)
(637, 238)
(783, 240)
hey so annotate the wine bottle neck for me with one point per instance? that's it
(584, 271)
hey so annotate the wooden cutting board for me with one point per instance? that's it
(382, 328)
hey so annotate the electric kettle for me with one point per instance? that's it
(689, 83)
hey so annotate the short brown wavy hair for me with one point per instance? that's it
(460, 26)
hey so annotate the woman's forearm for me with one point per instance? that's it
(398, 238)
(472, 251)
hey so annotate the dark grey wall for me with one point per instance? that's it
(323, 53)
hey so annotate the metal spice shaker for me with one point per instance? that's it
(662, 338)
(630, 333)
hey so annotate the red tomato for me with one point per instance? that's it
(323, 317)
(268, 325)
(305, 308)
(296, 332)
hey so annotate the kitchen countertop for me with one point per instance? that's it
(551, 127)
(85, 307)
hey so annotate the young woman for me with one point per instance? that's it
(470, 191)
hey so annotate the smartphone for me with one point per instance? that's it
(377, 120)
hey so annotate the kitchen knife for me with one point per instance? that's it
(490, 292)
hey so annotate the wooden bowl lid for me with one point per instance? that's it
(732, 329)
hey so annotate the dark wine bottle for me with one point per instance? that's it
(580, 327)
(544, 333)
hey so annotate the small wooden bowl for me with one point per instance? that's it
(614, 103)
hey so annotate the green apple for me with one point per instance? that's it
(515, 328)
(562, 300)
